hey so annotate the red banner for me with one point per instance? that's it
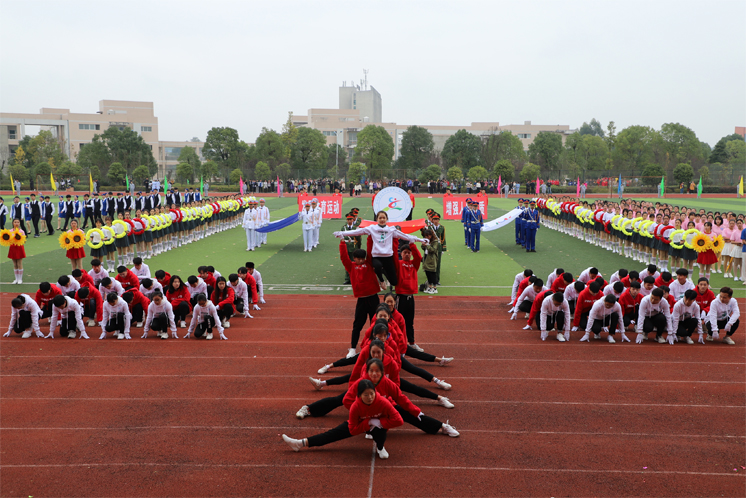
(404, 226)
(452, 206)
(331, 205)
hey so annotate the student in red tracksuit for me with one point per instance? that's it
(83, 278)
(667, 295)
(370, 413)
(163, 277)
(586, 298)
(407, 267)
(250, 281)
(138, 305)
(44, 297)
(208, 277)
(560, 283)
(180, 298)
(365, 288)
(521, 287)
(630, 303)
(633, 276)
(128, 279)
(705, 296)
(536, 306)
(223, 298)
(92, 303)
(664, 278)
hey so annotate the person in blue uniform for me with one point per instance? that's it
(531, 224)
(519, 226)
(475, 225)
(465, 221)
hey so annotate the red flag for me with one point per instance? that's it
(240, 184)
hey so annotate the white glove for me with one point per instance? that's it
(419, 417)
(701, 339)
(39, 334)
(625, 338)
(339, 235)
(567, 335)
(127, 336)
(246, 314)
(174, 335)
(256, 307)
(144, 336)
(585, 337)
(512, 317)
(671, 339)
(544, 335)
(639, 338)
(511, 309)
(374, 422)
(574, 329)
(187, 335)
(527, 327)
(7, 334)
(102, 336)
(262, 301)
(605, 329)
(50, 336)
(223, 337)
(716, 335)
(425, 241)
(83, 335)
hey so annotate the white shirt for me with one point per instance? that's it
(615, 277)
(683, 312)
(111, 310)
(551, 278)
(548, 307)
(570, 293)
(528, 294)
(30, 306)
(516, 283)
(250, 219)
(644, 273)
(72, 307)
(677, 290)
(155, 309)
(306, 218)
(143, 272)
(200, 314)
(648, 309)
(201, 287)
(585, 276)
(149, 292)
(98, 277)
(600, 312)
(645, 292)
(722, 312)
(609, 290)
(383, 237)
(259, 286)
(115, 287)
(71, 286)
(241, 291)
(317, 216)
(264, 215)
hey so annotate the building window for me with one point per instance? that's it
(172, 153)
(80, 146)
(11, 132)
(329, 133)
(524, 135)
(147, 128)
(89, 126)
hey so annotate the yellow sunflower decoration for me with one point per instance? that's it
(717, 244)
(66, 241)
(701, 243)
(17, 238)
(78, 238)
(5, 238)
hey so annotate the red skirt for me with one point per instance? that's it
(707, 258)
(76, 253)
(16, 252)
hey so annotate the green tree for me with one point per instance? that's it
(128, 148)
(652, 174)
(718, 154)
(681, 143)
(431, 173)
(416, 147)
(502, 146)
(20, 157)
(116, 174)
(633, 148)
(504, 169)
(270, 147)
(594, 152)
(42, 169)
(594, 128)
(462, 149)
(68, 169)
(141, 174)
(235, 176)
(95, 155)
(184, 172)
(456, 174)
(208, 170)
(44, 148)
(357, 172)
(262, 171)
(290, 135)
(283, 171)
(704, 173)
(530, 172)
(222, 146)
(18, 172)
(334, 163)
(477, 174)
(683, 172)
(189, 155)
(735, 151)
(309, 149)
(545, 149)
(376, 147)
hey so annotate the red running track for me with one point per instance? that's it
(192, 418)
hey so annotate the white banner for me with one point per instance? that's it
(501, 221)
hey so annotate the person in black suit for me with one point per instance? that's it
(48, 214)
(35, 214)
(69, 211)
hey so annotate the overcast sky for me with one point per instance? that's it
(246, 64)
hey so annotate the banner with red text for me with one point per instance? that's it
(452, 206)
(331, 205)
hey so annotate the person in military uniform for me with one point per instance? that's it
(531, 224)
(440, 232)
(352, 243)
(519, 226)
(475, 225)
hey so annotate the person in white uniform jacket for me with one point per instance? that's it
(241, 293)
(263, 221)
(196, 286)
(250, 224)
(606, 316)
(318, 217)
(650, 271)
(654, 314)
(723, 316)
(618, 275)
(24, 316)
(555, 313)
(685, 318)
(204, 319)
(526, 299)
(160, 317)
(678, 287)
(614, 289)
(307, 226)
(553, 276)
(141, 270)
(117, 317)
(68, 285)
(258, 279)
(588, 275)
(517, 283)
(97, 272)
(110, 285)
(148, 287)
(69, 313)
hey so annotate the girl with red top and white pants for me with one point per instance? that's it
(370, 413)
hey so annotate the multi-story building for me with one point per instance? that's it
(75, 130)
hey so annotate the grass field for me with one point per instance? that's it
(287, 269)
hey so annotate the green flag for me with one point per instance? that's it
(201, 187)
(127, 178)
(699, 188)
(663, 185)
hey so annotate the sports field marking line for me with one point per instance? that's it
(252, 376)
(413, 467)
(500, 402)
(323, 358)
(308, 428)
(372, 470)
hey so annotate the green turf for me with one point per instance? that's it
(287, 269)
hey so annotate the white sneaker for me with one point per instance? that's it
(727, 275)
(689, 340)
(324, 369)
(443, 401)
(449, 430)
(91, 323)
(226, 324)
(443, 385)
(26, 334)
(709, 338)
(382, 453)
(611, 340)
(316, 383)
(416, 348)
(351, 352)
(119, 336)
(138, 325)
(368, 436)
(182, 324)
(661, 340)
(560, 337)
(303, 412)
(434, 291)
(728, 340)
(163, 335)
(208, 337)
(596, 336)
(295, 444)
(72, 334)
(736, 279)
(445, 361)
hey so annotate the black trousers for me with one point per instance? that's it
(116, 324)
(583, 320)
(50, 228)
(68, 324)
(88, 216)
(420, 355)
(68, 218)
(432, 278)
(137, 313)
(385, 265)
(323, 406)
(160, 323)
(571, 304)
(627, 319)
(35, 222)
(238, 302)
(23, 322)
(611, 321)
(424, 423)
(89, 309)
(365, 309)
(686, 327)
(342, 431)
(405, 365)
(657, 322)
(721, 325)
(525, 306)
(46, 310)
(405, 305)
(205, 327)
(338, 381)
(408, 387)
(181, 311)
(225, 312)
(556, 320)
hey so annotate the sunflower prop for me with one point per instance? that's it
(18, 238)
(5, 237)
(717, 244)
(701, 243)
(66, 241)
(78, 238)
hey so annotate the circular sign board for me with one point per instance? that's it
(393, 201)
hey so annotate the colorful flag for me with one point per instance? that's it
(577, 189)
(537, 185)
(740, 187)
(12, 184)
(663, 186)
(278, 185)
(51, 179)
(699, 187)
(499, 183)
(127, 179)
(619, 188)
(90, 183)
(240, 184)
(201, 187)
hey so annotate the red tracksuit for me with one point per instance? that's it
(129, 281)
(229, 298)
(659, 282)
(408, 271)
(629, 303)
(391, 368)
(93, 293)
(584, 304)
(521, 287)
(178, 296)
(627, 282)
(381, 408)
(209, 279)
(385, 388)
(251, 283)
(166, 280)
(536, 306)
(703, 300)
(559, 284)
(363, 278)
(86, 279)
(44, 299)
(139, 298)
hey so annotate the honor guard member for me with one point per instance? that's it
(475, 225)
(69, 211)
(531, 224)
(88, 206)
(352, 243)
(140, 202)
(465, 221)
(48, 214)
(440, 232)
(358, 220)
(519, 225)
(120, 203)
